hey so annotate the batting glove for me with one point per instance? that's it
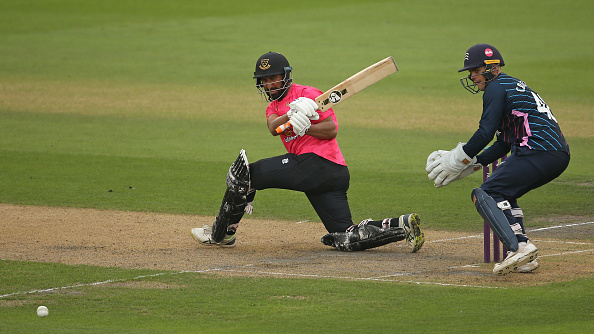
(300, 123)
(305, 106)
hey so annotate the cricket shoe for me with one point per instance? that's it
(526, 252)
(528, 267)
(411, 224)
(204, 236)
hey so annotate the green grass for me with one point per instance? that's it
(179, 166)
(142, 106)
(155, 302)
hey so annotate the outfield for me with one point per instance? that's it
(116, 116)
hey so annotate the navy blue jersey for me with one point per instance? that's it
(517, 116)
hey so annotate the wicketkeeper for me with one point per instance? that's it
(521, 122)
(313, 165)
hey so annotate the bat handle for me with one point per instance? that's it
(283, 127)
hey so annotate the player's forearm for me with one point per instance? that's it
(492, 153)
(275, 121)
(323, 130)
(479, 140)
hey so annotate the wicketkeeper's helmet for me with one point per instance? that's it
(269, 64)
(480, 55)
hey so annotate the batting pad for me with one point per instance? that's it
(494, 216)
(235, 199)
(363, 237)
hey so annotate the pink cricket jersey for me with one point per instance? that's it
(325, 148)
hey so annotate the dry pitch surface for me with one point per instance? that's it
(277, 248)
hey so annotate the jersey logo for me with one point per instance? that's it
(288, 139)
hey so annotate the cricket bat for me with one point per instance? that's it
(352, 86)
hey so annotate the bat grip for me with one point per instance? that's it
(283, 127)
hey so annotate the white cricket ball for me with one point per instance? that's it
(42, 311)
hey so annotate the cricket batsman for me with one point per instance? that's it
(313, 165)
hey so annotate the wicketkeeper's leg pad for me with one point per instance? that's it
(492, 213)
(362, 237)
(235, 199)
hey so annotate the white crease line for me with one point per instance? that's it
(474, 265)
(109, 281)
(559, 226)
(563, 242)
(359, 278)
(453, 239)
(237, 271)
(534, 230)
(565, 253)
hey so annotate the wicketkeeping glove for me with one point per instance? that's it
(450, 166)
(434, 156)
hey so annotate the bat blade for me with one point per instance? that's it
(356, 83)
(352, 86)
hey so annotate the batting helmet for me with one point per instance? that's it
(480, 55)
(269, 64)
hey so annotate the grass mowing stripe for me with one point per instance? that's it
(178, 166)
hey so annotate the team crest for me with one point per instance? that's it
(264, 65)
